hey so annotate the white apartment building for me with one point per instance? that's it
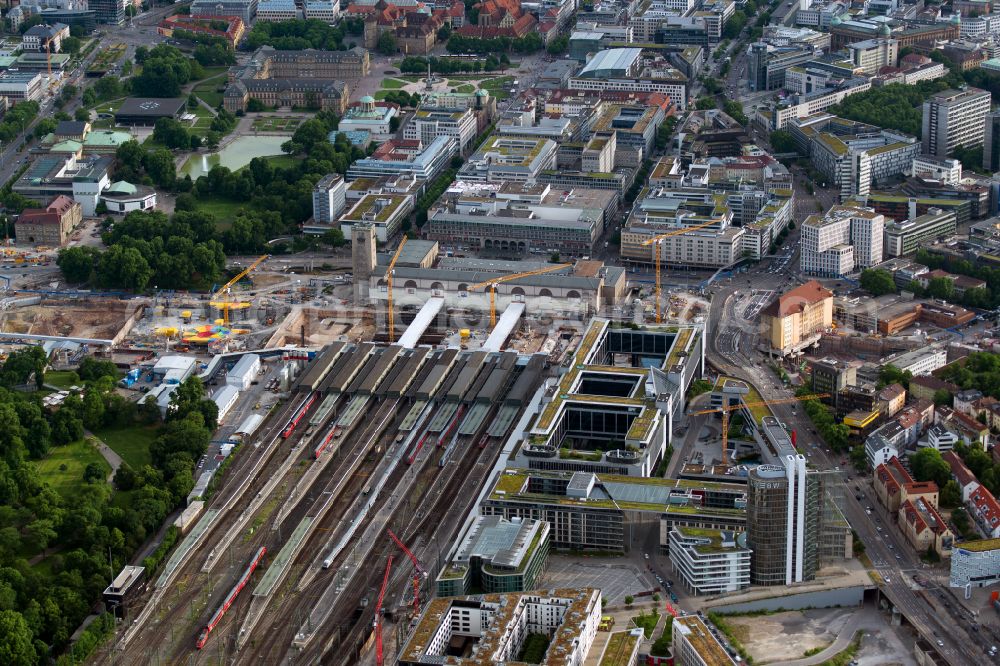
(710, 561)
(975, 563)
(428, 124)
(846, 238)
(954, 118)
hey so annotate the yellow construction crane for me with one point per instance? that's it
(221, 301)
(492, 284)
(388, 280)
(760, 403)
(660, 237)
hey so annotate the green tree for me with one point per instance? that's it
(877, 281)
(928, 465)
(951, 494)
(386, 44)
(77, 263)
(941, 287)
(705, 103)
(890, 374)
(16, 646)
(783, 142)
(942, 398)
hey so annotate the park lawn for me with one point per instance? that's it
(393, 84)
(276, 124)
(130, 442)
(208, 91)
(62, 378)
(214, 71)
(283, 161)
(498, 83)
(465, 88)
(380, 94)
(223, 209)
(75, 456)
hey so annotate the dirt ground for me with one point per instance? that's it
(98, 319)
(786, 636)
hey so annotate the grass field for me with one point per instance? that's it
(276, 124)
(465, 88)
(63, 467)
(393, 84)
(224, 210)
(131, 443)
(62, 378)
(204, 121)
(208, 90)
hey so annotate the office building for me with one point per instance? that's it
(491, 629)
(922, 361)
(406, 158)
(793, 522)
(695, 645)
(44, 38)
(623, 70)
(246, 10)
(710, 561)
(906, 237)
(277, 10)
(944, 170)
(796, 319)
(953, 119)
(767, 65)
(871, 55)
(123, 590)
(385, 212)
(975, 563)
(991, 142)
(21, 86)
(497, 555)
(431, 122)
(108, 12)
(513, 159)
(329, 199)
(846, 238)
(82, 179)
(327, 11)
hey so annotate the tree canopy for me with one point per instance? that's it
(877, 281)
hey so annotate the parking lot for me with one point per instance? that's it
(616, 579)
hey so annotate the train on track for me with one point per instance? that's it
(299, 415)
(230, 598)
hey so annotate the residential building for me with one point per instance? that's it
(966, 480)
(792, 522)
(871, 55)
(796, 318)
(906, 237)
(695, 645)
(985, 511)
(494, 627)
(925, 386)
(991, 141)
(430, 122)
(975, 563)
(49, 226)
(953, 119)
(924, 528)
(946, 170)
(385, 212)
(710, 561)
(329, 199)
(894, 485)
(122, 197)
(939, 438)
(497, 555)
(514, 159)
(844, 239)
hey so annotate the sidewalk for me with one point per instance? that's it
(113, 458)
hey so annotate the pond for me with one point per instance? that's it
(237, 154)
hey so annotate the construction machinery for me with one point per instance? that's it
(658, 239)
(221, 300)
(418, 575)
(379, 657)
(759, 403)
(388, 280)
(493, 282)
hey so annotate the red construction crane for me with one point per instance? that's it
(418, 575)
(379, 658)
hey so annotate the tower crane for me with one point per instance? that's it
(418, 575)
(493, 282)
(658, 240)
(760, 403)
(220, 301)
(379, 658)
(388, 281)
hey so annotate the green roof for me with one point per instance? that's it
(980, 546)
(121, 187)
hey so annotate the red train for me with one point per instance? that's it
(299, 414)
(334, 432)
(451, 428)
(416, 450)
(230, 598)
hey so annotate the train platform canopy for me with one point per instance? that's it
(421, 322)
(505, 326)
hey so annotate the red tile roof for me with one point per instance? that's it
(963, 475)
(985, 507)
(923, 516)
(893, 475)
